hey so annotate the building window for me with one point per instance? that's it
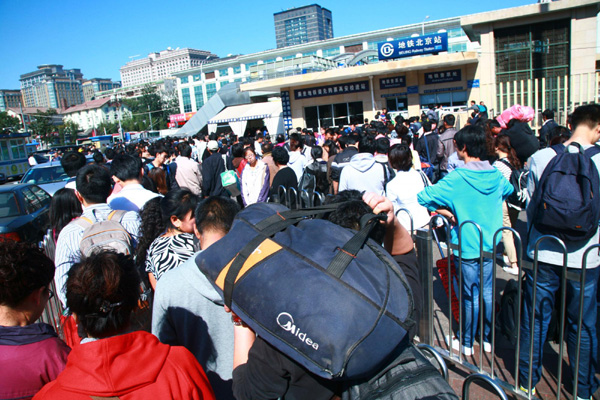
(187, 101)
(331, 52)
(397, 103)
(446, 99)
(224, 72)
(333, 114)
(211, 89)
(237, 70)
(199, 97)
(184, 79)
(533, 51)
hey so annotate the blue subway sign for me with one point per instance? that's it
(413, 46)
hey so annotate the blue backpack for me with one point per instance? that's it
(566, 202)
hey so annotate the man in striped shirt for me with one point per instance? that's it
(93, 188)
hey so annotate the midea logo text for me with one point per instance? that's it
(286, 321)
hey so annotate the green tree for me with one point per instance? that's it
(68, 132)
(8, 121)
(151, 104)
(43, 126)
(110, 127)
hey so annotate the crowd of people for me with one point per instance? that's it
(160, 204)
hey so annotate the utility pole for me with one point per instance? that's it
(23, 117)
(150, 117)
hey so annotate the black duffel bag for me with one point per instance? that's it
(326, 296)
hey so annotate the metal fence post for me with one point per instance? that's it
(425, 256)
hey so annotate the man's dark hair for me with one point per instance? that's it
(548, 114)
(216, 213)
(103, 290)
(342, 141)
(350, 213)
(280, 156)
(295, 141)
(316, 152)
(72, 162)
(588, 115)
(23, 268)
(94, 184)
(185, 150)
(426, 125)
(157, 148)
(267, 147)
(367, 144)
(382, 145)
(126, 167)
(352, 139)
(472, 139)
(400, 157)
(98, 157)
(449, 119)
(237, 150)
(110, 153)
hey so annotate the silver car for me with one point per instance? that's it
(49, 176)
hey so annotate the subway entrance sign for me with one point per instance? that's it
(413, 46)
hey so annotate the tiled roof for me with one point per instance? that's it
(88, 105)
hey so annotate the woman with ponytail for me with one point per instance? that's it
(506, 163)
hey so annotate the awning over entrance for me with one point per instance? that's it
(238, 116)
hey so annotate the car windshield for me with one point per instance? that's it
(45, 175)
(8, 205)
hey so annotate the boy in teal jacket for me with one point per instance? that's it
(472, 193)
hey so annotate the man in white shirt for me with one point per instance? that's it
(126, 170)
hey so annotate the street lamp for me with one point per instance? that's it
(423, 25)
(117, 99)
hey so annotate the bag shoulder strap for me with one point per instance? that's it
(117, 214)
(84, 222)
(509, 165)
(592, 151)
(224, 157)
(427, 148)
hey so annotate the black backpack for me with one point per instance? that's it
(409, 377)
(518, 180)
(508, 314)
(566, 202)
(314, 178)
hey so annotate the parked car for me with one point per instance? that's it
(24, 212)
(49, 176)
(2, 178)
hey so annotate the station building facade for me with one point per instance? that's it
(542, 55)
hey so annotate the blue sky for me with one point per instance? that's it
(99, 36)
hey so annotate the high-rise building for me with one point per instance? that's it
(93, 86)
(9, 98)
(303, 25)
(52, 86)
(158, 66)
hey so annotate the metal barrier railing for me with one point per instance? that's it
(294, 199)
(424, 245)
